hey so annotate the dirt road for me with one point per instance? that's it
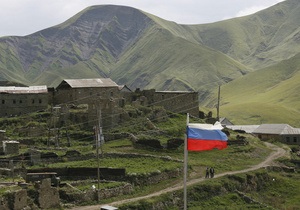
(278, 152)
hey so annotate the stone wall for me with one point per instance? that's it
(154, 178)
(15, 200)
(173, 101)
(84, 95)
(92, 195)
(48, 197)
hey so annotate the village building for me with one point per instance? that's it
(105, 99)
(22, 100)
(101, 95)
(280, 132)
(83, 91)
(10, 147)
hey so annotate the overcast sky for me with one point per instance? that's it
(23, 17)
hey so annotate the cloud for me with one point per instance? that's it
(250, 10)
(22, 17)
(251, 7)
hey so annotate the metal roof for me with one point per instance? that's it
(278, 129)
(292, 131)
(175, 91)
(246, 128)
(23, 90)
(99, 82)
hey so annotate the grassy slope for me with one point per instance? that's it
(257, 40)
(266, 96)
(164, 56)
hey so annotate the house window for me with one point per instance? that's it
(111, 94)
(287, 139)
(295, 139)
(40, 101)
(3, 101)
(14, 101)
(32, 101)
(162, 97)
(20, 101)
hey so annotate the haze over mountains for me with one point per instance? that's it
(256, 56)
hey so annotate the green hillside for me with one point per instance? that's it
(259, 40)
(164, 61)
(269, 95)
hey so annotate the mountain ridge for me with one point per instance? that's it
(141, 50)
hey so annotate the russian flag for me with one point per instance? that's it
(201, 137)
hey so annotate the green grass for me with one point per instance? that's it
(230, 159)
(137, 165)
(283, 191)
(87, 185)
(268, 190)
(265, 96)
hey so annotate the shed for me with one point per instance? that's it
(10, 147)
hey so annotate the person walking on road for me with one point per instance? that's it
(212, 172)
(207, 173)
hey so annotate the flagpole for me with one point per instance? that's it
(185, 165)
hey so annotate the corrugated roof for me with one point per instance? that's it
(246, 128)
(99, 82)
(176, 91)
(23, 90)
(272, 129)
(291, 131)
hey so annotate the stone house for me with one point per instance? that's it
(83, 91)
(280, 132)
(10, 147)
(22, 100)
(102, 95)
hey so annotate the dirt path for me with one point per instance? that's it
(278, 152)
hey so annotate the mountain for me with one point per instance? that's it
(125, 44)
(87, 45)
(143, 51)
(259, 40)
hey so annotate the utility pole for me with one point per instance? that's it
(218, 105)
(98, 143)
